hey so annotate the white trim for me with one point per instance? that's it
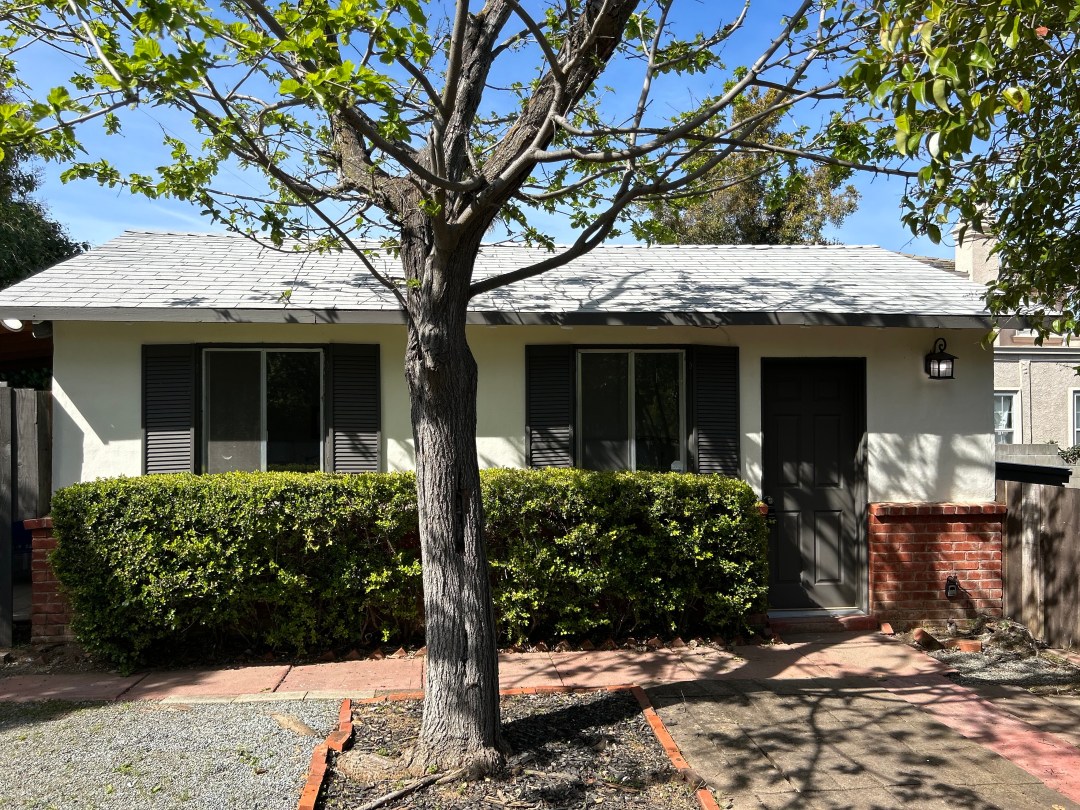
(1074, 426)
(1050, 354)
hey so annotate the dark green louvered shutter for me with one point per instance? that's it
(168, 409)
(355, 418)
(715, 409)
(549, 406)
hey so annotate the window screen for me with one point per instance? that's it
(263, 410)
(631, 410)
(233, 411)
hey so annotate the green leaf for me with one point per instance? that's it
(940, 91)
(147, 48)
(1011, 34)
(1018, 98)
(59, 98)
(981, 57)
(933, 145)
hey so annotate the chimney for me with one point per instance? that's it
(973, 257)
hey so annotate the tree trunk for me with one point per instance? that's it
(460, 726)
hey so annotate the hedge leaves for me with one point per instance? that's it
(182, 566)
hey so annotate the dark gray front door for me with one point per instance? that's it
(813, 413)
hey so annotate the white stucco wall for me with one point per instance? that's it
(927, 440)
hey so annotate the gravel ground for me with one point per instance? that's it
(1012, 668)
(574, 750)
(119, 756)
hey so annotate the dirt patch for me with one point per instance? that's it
(46, 659)
(569, 750)
(1010, 656)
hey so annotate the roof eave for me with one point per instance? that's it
(713, 319)
(293, 314)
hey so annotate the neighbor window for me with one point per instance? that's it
(262, 409)
(1076, 418)
(631, 410)
(1006, 417)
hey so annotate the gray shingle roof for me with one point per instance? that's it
(216, 276)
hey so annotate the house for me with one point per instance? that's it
(1036, 388)
(801, 369)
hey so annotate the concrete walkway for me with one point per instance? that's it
(845, 720)
(859, 721)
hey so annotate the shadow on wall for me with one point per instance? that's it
(930, 467)
(923, 467)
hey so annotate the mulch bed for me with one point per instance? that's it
(575, 750)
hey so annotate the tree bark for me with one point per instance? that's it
(460, 726)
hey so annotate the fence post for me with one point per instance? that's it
(7, 608)
(1011, 494)
(1032, 560)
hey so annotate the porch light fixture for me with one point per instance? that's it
(12, 324)
(939, 363)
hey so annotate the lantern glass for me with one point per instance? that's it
(939, 364)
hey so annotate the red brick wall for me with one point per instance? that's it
(50, 611)
(913, 547)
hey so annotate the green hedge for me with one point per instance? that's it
(169, 566)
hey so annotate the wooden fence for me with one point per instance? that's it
(1042, 559)
(25, 481)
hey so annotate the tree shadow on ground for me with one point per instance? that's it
(14, 715)
(825, 742)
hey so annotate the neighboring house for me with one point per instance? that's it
(799, 369)
(1036, 388)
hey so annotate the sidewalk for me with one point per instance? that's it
(803, 658)
(836, 720)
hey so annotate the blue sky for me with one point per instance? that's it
(95, 214)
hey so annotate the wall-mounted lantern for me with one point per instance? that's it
(939, 363)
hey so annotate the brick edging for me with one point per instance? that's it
(663, 736)
(339, 739)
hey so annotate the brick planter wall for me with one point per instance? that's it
(913, 547)
(50, 611)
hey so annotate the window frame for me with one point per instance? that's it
(203, 393)
(1074, 423)
(579, 438)
(1017, 428)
